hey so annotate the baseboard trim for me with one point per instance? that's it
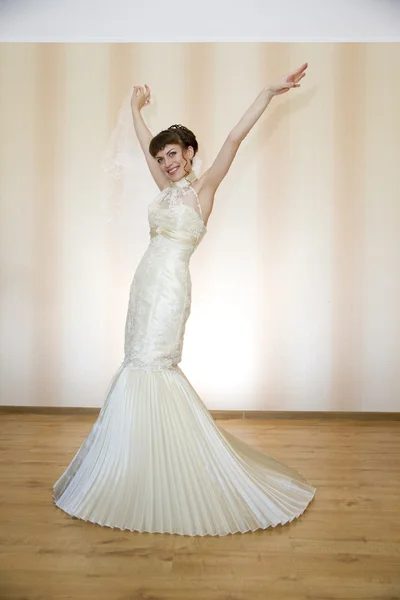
(220, 414)
(305, 414)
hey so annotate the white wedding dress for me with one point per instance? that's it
(155, 460)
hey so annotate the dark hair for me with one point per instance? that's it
(176, 134)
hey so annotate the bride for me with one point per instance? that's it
(155, 460)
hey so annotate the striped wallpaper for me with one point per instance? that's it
(296, 286)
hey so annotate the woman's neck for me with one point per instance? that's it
(186, 180)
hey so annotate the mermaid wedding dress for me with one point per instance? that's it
(155, 460)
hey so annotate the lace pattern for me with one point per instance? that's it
(178, 200)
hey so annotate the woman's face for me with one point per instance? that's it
(174, 161)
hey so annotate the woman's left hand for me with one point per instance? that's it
(289, 81)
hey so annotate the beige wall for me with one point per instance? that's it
(296, 285)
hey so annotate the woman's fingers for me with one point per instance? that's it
(138, 89)
(298, 74)
(302, 68)
(291, 84)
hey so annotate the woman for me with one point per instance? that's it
(155, 460)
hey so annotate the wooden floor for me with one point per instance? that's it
(346, 545)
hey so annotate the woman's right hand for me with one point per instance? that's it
(141, 96)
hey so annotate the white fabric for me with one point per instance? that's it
(155, 460)
(126, 175)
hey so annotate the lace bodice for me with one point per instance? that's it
(176, 213)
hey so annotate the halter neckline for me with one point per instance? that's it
(185, 181)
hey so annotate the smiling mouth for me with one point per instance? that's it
(173, 171)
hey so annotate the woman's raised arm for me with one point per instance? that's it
(220, 167)
(140, 98)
